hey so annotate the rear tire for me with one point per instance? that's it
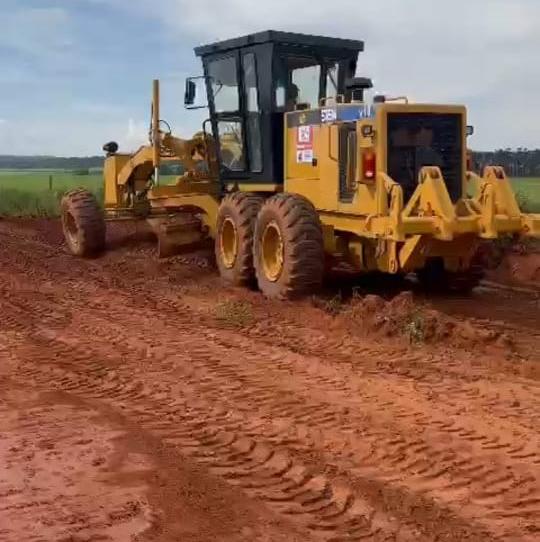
(83, 223)
(288, 247)
(234, 237)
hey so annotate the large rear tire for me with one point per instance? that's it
(83, 223)
(234, 237)
(288, 247)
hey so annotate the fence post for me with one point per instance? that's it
(50, 183)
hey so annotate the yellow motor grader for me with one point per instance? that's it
(294, 171)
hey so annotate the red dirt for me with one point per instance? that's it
(404, 316)
(129, 411)
(517, 263)
(519, 269)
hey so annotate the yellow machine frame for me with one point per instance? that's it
(401, 235)
(330, 196)
(376, 229)
(356, 213)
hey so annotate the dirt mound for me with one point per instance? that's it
(513, 262)
(403, 316)
(518, 268)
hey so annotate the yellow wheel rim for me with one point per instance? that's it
(228, 243)
(272, 252)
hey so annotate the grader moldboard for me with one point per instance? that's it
(293, 170)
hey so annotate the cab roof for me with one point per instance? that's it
(285, 38)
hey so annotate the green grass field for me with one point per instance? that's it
(528, 192)
(27, 193)
(30, 192)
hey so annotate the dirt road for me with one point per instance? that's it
(137, 402)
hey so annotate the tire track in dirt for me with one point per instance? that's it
(300, 413)
(43, 442)
(474, 392)
(231, 448)
(245, 378)
(47, 501)
(131, 394)
(330, 416)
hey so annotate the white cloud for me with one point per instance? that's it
(66, 138)
(482, 53)
(37, 32)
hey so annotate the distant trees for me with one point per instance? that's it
(520, 162)
(51, 162)
(78, 166)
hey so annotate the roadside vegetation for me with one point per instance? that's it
(37, 193)
(234, 313)
(528, 194)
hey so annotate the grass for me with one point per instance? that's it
(528, 194)
(414, 328)
(38, 180)
(232, 313)
(26, 192)
(332, 306)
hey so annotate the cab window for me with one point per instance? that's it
(253, 117)
(223, 75)
(302, 82)
(331, 90)
(231, 145)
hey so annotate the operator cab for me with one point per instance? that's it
(253, 80)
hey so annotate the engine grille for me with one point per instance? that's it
(416, 140)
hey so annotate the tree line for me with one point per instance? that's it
(520, 162)
(50, 162)
(77, 165)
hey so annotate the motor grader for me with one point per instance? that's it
(294, 171)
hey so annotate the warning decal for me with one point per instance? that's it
(305, 156)
(304, 144)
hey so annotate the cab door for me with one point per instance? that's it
(223, 76)
(235, 111)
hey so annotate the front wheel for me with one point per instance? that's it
(234, 239)
(288, 247)
(83, 223)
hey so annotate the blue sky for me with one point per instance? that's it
(77, 73)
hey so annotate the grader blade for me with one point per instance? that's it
(175, 233)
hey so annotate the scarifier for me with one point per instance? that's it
(294, 171)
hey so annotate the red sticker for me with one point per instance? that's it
(304, 137)
(304, 145)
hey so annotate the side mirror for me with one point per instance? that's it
(190, 93)
(470, 130)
